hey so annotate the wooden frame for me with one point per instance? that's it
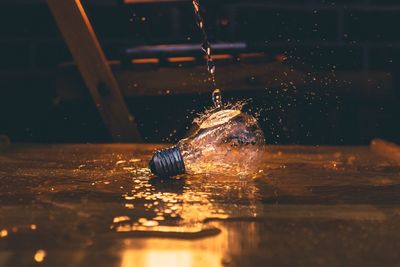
(94, 68)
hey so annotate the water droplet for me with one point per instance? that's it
(40, 255)
(217, 98)
(129, 206)
(150, 223)
(159, 218)
(121, 219)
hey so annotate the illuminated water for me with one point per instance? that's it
(76, 202)
(179, 207)
(217, 98)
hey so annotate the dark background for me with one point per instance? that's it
(358, 36)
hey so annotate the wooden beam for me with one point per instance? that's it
(193, 79)
(92, 64)
(388, 150)
(152, 1)
(231, 77)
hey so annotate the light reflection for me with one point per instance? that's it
(40, 255)
(129, 206)
(183, 205)
(3, 233)
(172, 230)
(182, 208)
(232, 240)
(121, 219)
(169, 258)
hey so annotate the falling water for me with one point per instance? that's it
(206, 47)
(217, 98)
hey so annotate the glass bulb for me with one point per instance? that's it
(226, 142)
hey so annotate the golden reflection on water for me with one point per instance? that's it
(186, 213)
(166, 258)
(219, 251)
(179, 206)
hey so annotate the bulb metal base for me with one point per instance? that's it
(167, 163)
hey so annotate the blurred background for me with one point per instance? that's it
(312, 71)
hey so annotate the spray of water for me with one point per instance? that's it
(237, 105)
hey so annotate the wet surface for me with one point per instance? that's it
(98, 205)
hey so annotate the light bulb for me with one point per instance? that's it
(226, 142)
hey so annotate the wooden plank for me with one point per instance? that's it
(92, 64)
(243, 76)
(140, 81)
(151, 1)
(188, 80)
(388, 150)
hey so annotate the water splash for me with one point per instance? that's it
(237, 105)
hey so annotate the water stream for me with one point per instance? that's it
(206, 47)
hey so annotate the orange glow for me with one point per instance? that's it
(145, 61)
(129, 206)
(121, 219)
(149, 1)
(251, 55)
(172, 230)
(40, 255)
(281, 58)
(157, 258)
(181, 59)
(3, 233)
(188, 253)
(221, 56)
(169, 258)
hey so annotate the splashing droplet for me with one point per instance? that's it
(217, 98)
